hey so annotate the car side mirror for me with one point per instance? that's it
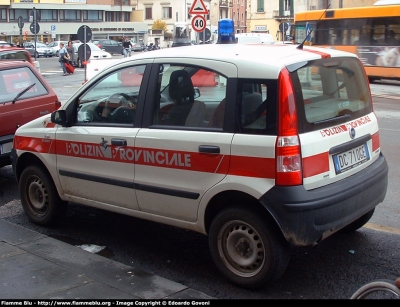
(59, 117)
(196, 93)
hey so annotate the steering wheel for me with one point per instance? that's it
(114, 102)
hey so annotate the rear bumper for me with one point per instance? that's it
(307, 217)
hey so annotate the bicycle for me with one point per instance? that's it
(380, 289)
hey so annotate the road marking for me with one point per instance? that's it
(54, 72)
(386, 96)
(382, 228)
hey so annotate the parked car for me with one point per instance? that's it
(109, 45)
(25, 95)
(55, 46)
(7, 44)
(16, 53)
(261, 153)
(41, 49)
(138, 47)
(95, 54)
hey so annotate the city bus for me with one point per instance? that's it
(371, 32)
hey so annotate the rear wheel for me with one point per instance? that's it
(247, 249)
(39, 196)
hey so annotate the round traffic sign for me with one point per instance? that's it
(34, 27)
(84, 52)
(198, 23)
(284, 26)
(205, 35)
(84, 34)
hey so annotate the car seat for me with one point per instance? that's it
(181, 91)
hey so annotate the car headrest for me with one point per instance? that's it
(181, 88)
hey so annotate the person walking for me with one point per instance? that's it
(127, 45)
(63, 54)
(71, 52)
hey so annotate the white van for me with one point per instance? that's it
(254, 38)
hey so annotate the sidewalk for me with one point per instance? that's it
(34, 266)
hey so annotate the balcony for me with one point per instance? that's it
(122, 2)
(282, 15)
(225, 4)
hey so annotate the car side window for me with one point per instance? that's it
(256, 109)
(113, 99)
(189, 97)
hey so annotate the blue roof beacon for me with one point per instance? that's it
(226, 31)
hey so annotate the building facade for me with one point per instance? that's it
(273, 16)
(115, 19)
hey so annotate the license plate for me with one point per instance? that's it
(5, 148)
(351, 158)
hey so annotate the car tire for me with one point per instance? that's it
(248, 249)
(39, 197)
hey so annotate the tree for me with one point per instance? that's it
(160, 25)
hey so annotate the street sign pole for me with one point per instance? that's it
(20, 26)
(85, 34)
(34, 22)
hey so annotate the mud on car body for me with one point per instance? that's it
(260, 147)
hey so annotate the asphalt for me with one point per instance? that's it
(35, 266)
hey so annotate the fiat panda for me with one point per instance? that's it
(261, 147)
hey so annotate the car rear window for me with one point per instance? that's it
(331, 90)
(14, 81)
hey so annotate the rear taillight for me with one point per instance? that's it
(287, 148)
(57, 105)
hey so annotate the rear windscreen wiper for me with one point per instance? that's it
(23, 92)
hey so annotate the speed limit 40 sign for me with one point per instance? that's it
(198, 23)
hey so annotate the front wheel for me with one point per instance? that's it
(39, 196)
(248, 249)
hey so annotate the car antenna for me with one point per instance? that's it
(308, 35)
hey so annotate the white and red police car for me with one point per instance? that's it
(260, 147)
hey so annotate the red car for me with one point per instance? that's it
(14, 53)
(25, 95)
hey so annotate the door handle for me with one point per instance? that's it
(118, 142)
(209, 149)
